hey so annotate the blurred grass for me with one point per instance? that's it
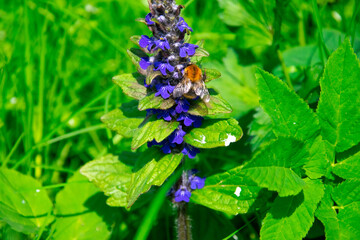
(57, 59)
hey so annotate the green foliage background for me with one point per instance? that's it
(57, 59)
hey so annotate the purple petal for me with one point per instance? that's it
(144, 41)
(182, 195)
(188, 121)
(197, 182)
(144, 64)
(182, 52)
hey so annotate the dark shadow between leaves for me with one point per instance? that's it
(286, 206)
(130, 110)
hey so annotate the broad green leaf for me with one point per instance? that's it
(339, 102)
(199, 54)
(216, 105)
(347, 192)
(349, 168)
(154, 172)
(291, 217)
(214, 133)
(290, 114)
(274, 167)
(111, 176)
(80, 211)
(260, 129)
(153, 129)
(321, 158)
(124, 120)
(24, 205)
(131, 84)
(153, 102)
(230, 192)
(349, 218)
(211, 74)
(328, 216)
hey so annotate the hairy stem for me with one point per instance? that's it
(183, 223)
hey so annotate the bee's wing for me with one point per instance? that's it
(183, 87)
(201, 91)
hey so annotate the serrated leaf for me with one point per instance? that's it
(131, 84)
(216, 105)
(274, 167)
(230, 192)
(124, 120)
(155, 102)
(154, 172)
(111, 176)
(349, 218)
(23, 204)
(214, 134)
(291, 217)
(327, 215)
(77, 214)
(347, 192)
(290, 114)
(153, 129)
(321, 157)
(339, 102)
(211, 74)
(349, 168)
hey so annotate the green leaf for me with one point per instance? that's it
(131, 84)
(260, 129)
(321, 157)
(339, 102)
(349, 168)
(124, 120)
(199, 54)
(327, 215)
(349, 218)
(216, 105)
(291, 217)
(153, 102)
(211, 74)
(214, 134)
(151, 75)
(111, 176)
(347, 192)
(24, 205)
(135, 55)
(153, 129)
(290, 114)
(230, 192)
(154, 172)
(274, 167)
(77, 209)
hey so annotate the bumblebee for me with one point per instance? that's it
(192, 85)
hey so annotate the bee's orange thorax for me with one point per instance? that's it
(193, 72)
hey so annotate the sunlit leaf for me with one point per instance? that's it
(81, 216)
(216, 105)
(214, 133)
(230, 192)
(291, 217)
(124, 120)
(211, 74)
(24, 205)
(339, 103)
(274, 167)
(155, 102)
(348, 168)
(153, 129)
(131, 84)
(290, 114)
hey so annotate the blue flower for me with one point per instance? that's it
(188, 49)
(148, 19)
(163, 66)
(182, 25)
(162, 43)
(164, 114)
(145, 41)
(145, 63)
(164, 90)
(189, 120)
(182, 194)
(177, 136)
(196, 182)
(190, 151)
(166, 148)
(182, 105)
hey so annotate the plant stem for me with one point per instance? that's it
(283, 66)
(318, 23)
(353, 22)
(183, 223)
